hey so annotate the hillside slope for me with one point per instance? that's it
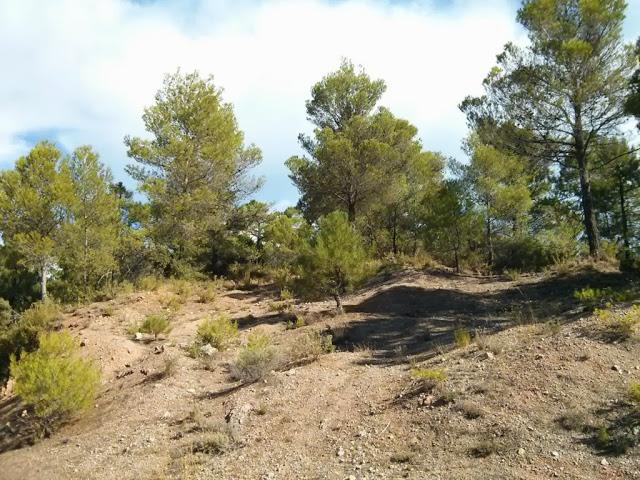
(538, 400)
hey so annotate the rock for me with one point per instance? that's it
(158, 349)
(604, 462)
(340, 452)
(139, 337)
(521, 451)
(208, 350)
(487, 355)
(83, 343)
(555, 454)
(616, 368)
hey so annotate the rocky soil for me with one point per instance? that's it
(542, 394)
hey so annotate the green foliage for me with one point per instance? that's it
(6, 314)
(34, 201)
(218, 331)
(310, 345)
(435, 375)
(22, 335)
(634, 391)
(155, 324)
(90, 239)
(192, 169)
(256, 359)
(336, 259)
(462, 337)
(55, 378)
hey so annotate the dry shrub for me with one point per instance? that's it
(256, 359)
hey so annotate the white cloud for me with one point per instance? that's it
(86, 68)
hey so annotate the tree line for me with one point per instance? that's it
(550, 177)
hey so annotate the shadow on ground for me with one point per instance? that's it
(17, 428)
(404, 320)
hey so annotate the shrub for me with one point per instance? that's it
(310, 346)
(428, 377)
(173, 302)
(55, 379)
(208, 293)
(149, 283)
(634, 391)
(169, 366)
(470, 410)
(621, 324)
(218, 331)
(513, 274)
(257, 359)
(462, 337)
(279, 306)
(22, 336)
(487, 343)
(155, 324)
(286, 295)
(41, 315)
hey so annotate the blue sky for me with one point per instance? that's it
(81, 71)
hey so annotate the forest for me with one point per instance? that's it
(547, 191)
(552, 175)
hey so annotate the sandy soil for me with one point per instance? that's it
(528, 405)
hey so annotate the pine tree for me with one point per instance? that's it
(194, 169)
(92, 232)
(34, 202)
(336, 258)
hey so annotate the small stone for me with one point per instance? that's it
(340, 452)
(158, 349)
(604, 462)
(208, 350)
(487, 355)
(555, 454)
(83, 343)
(521, 451)
(139, 336)
(616, 368)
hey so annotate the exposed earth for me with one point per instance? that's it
(531, 399)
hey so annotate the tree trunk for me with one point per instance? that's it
(339, 307)
(590, 225)
(43, 282)
(351, 211)
(489, 239)
(394, 236)
(623, 214)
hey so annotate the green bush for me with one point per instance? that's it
(634, 391)
(155, 324)
(22, 335)
(218, 331)
(310, 346)
(462, 337)
(524, 254)
(428, 377)
(55, 379)
(257, 359)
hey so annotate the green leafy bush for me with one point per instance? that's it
(155, 324)
(462, 337)
(257, 359)
(22, 335)
(634, 391)
(428, 377)
(217, 331)
(55, 379)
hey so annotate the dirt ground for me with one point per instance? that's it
(532, 399)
